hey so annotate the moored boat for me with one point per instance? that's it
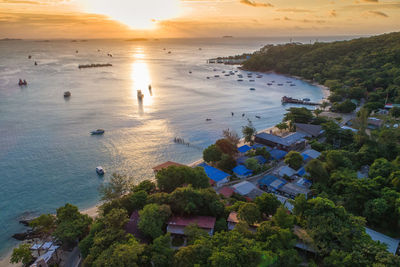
(100, 170)
(97, 132)
(67, 94)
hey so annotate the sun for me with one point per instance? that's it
(136, 14)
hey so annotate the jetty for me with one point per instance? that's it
(290, 100)
(94, 66)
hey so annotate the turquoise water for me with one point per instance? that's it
(47, 155)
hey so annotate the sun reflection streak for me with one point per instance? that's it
(141, 79)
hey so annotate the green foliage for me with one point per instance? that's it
(395, 112)
(152, 219)
(298, 115)
(21, 254)
(70, 224)
(162, 254)
(220, 225)
(125, 254)
(267, 203)
(262, 151)
(249, 213)
(146, 185)
(45, 223)
(227, 163)
(212, 154)
(117, 186)
(294, 159)
(138, 199)
(380, 167)
(283, 218)
(252, 164)
(248, 132)
(345, 107)
(170, 178)
(193, 232)
(317, 171)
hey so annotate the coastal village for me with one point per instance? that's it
(318, 189)
(263, 164)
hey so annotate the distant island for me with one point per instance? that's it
(227, 36)
(136, 39)
(10, 39)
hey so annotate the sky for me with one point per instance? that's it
(53, 19)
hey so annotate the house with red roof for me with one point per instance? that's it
(226, 191)
(177, 224)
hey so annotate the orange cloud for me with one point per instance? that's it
(255, 4)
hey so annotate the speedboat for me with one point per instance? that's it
(97, 132)
(251, 80)
(259, 76)
(208, 119)
(67, 94)
(240, 80)
(269, 84)
(100, 170)
(216, 76)
(306, 99)
(280, 84)
(252, 89)
(258, 117)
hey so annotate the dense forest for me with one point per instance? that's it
(355, 69)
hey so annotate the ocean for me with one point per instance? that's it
(48, 157)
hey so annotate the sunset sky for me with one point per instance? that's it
(195, 18)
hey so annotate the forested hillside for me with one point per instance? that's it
(351, 69)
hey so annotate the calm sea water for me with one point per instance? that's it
(47, 156)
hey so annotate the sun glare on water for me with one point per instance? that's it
(137, 14)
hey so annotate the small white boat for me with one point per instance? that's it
(100, 170)
(97, 132)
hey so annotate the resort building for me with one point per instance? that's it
(243, 149)
(294, 141)
(166, 165)
(177, 224)
(309, 130)
(217, 176)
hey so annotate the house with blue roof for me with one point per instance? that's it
(242, 172)
(277, 154)
(255, 146)
(271, 183)
(243, 149)
(301, 171)
(216, 175)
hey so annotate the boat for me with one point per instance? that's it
(272, 81)
(208, 119)
(240, 76)
(252, 89)
(269, 84)
(67, 94)
(240, 80)
(306, 99)
(251, 80)
(29, 57)
(258, 117)
(216, 76)
(214, 69)
(223, 71)
(259, 76)
(289, 81)
(22, 83)
(140, 95)
(227, 74)
(208, 77)
(292, 84)
(100, 170)
(280, 84)
(169, 52)
(35, 63)
(97, 132)
(190, 72)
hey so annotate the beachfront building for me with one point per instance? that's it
(242, 172)
(309, 130)
(177, 224)
(165, 165)
(217, 176)
(293, 141)
(47, 254)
